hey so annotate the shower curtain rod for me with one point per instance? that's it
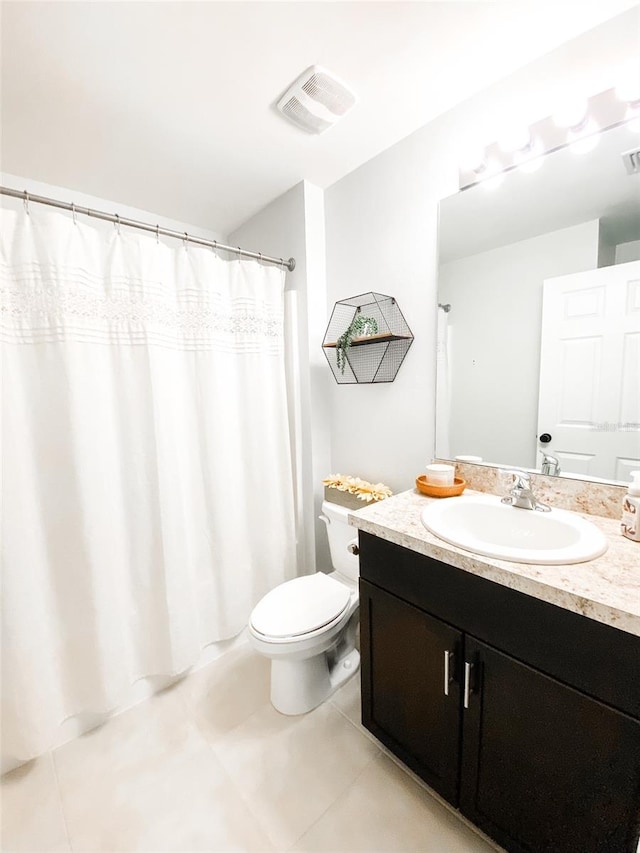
(290, 263)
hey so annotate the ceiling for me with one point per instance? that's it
(169, 106)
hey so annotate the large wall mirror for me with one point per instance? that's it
(539, 354)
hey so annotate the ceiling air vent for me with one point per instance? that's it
(316, 100)
(631, 160)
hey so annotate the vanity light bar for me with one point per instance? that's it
(603, 111)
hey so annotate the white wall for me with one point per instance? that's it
(17, 182)
(606, 249)
(382, 235)
(626, 252)
(495, 323)
(293, 224)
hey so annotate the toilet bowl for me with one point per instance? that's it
(308, 626)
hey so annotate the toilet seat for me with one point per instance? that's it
(300, 606)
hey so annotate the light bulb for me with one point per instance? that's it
(632, 114)
(531, 160)
(571, 114)
(474, 160)
(514, 139)
(493, 177)
(583, 143)
(628, 86)
(634, 123)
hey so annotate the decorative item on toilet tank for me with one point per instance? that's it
(353, 492)
(367, 339)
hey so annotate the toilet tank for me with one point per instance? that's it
(341, 535)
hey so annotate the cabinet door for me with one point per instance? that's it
(405, 654)
(544, 767)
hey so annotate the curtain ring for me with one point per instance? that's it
(73, 212)
(214, 246)
(158, 234)
(116, 224)
(185, 241)
(25, 202)
(259, 257)
(240, 253)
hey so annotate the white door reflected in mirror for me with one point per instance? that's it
(589, 394)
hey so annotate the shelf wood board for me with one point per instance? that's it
(383, 337)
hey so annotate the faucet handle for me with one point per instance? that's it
(521, 479)
(515, 481)
(550, 465)
(521, 493)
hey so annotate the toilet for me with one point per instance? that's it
(308, 626)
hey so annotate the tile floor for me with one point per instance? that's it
(209, 765)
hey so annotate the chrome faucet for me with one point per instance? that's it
(522, 495)
(550, 465)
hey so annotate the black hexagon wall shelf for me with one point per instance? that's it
(367, 339)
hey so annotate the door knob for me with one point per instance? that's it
(546, 437)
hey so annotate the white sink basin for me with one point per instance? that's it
(484, 525)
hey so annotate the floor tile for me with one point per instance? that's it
(30, 810)
(290, 769)
(223, 694)
(347, 699)
(386, 811)
(210, 765)
(148, 780)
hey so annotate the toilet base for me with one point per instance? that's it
(299, 686)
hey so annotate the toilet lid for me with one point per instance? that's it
(300, 606)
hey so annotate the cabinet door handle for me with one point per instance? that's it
(448, 678)
(467, 682)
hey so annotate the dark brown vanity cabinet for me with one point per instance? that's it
(523, 715)
(405, 650)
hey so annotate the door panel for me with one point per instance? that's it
(544, 767)
(403, 692)
(589, 397)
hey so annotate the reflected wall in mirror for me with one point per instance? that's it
(511, 369)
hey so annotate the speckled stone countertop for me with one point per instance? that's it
(606, 589)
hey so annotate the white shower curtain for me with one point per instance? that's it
(442, 384)
(147, 491)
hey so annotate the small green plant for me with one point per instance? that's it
(359, 326)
